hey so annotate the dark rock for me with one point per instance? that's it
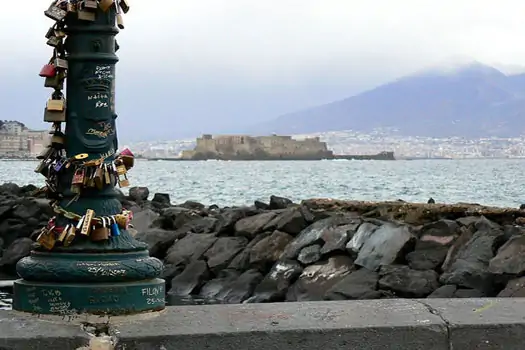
(408, 283)
(469, 293)
(162, 198)
(464, 237)
(522, 207)
(139, 194)
(169, 271)
(229, 217)
(217, 288)
(253, 225)
(191, 247)
(10, 188)
(279, 202)
(269, 249)
(261, 205)
(26, 209)
(5, 211)
(362, 234)
(242, 288)
(431, 201)
(443, 292)
(432, 247)
(167, 217)
(144, 219)
(510, 259)
(201, 225)
(335, 239)
(360, 284)
(159, 240)
(314, 233)
(467, 220)
(469, 269)
(384, 246)
(276, 283)
(190, 280)
(223, 251)
(515, 288)
(17, 250)
(241, 262)
(317, 279)
(290, 220)
(310, 254)
(192, 205)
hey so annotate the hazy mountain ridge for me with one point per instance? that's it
(472, 100)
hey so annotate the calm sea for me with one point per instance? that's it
(491, 182)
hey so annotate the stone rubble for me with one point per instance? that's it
(319, 249)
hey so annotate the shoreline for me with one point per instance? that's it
(312, 250)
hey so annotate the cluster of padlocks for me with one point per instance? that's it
(94, 174)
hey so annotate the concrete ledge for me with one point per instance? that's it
(430, 324)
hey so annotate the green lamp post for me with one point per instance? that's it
(87, 261)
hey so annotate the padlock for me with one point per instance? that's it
(55, 104)
(122, 221)
(99, 177)
(60, 63)
(51, 31)
(124, 5)
(47, 238)
(58, 140)
(91, 5)
(78, 177)
(71, 7)
(54, 41)
(70, 237)
(100, 233)
(54, 12)
(87, 224)
(56, 82)
(115, 231)
(48, 70)
(105, 4)
(119, 18)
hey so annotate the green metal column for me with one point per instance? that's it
(115, 276)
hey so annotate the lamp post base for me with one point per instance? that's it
(119, 298)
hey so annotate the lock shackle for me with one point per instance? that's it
(57, 95)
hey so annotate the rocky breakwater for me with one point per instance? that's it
(318, 249)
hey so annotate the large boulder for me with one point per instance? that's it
(222, 252)
(384, 246)
(470, 267)
(190, 248)
(360, 284)
(251, 226)
(317, 279)
(269, 249)
(510, 259)
(276, 283)
(315, 233)
(433, 245)
(406, 282)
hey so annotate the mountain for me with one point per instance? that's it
(470, 100)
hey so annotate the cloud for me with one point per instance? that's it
(275, 55)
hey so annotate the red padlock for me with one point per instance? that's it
(48, 71)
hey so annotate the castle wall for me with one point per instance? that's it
(239, 145)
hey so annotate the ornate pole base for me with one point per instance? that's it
(111, 283)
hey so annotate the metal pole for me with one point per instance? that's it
(85, 260)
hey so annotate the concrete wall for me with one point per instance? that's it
(402, 324)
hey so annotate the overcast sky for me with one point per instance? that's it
(194, 66)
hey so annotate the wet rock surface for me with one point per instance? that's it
(318, 249)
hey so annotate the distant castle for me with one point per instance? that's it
(244, 147)
(17, 141)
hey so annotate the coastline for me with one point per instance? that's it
(316, 249)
